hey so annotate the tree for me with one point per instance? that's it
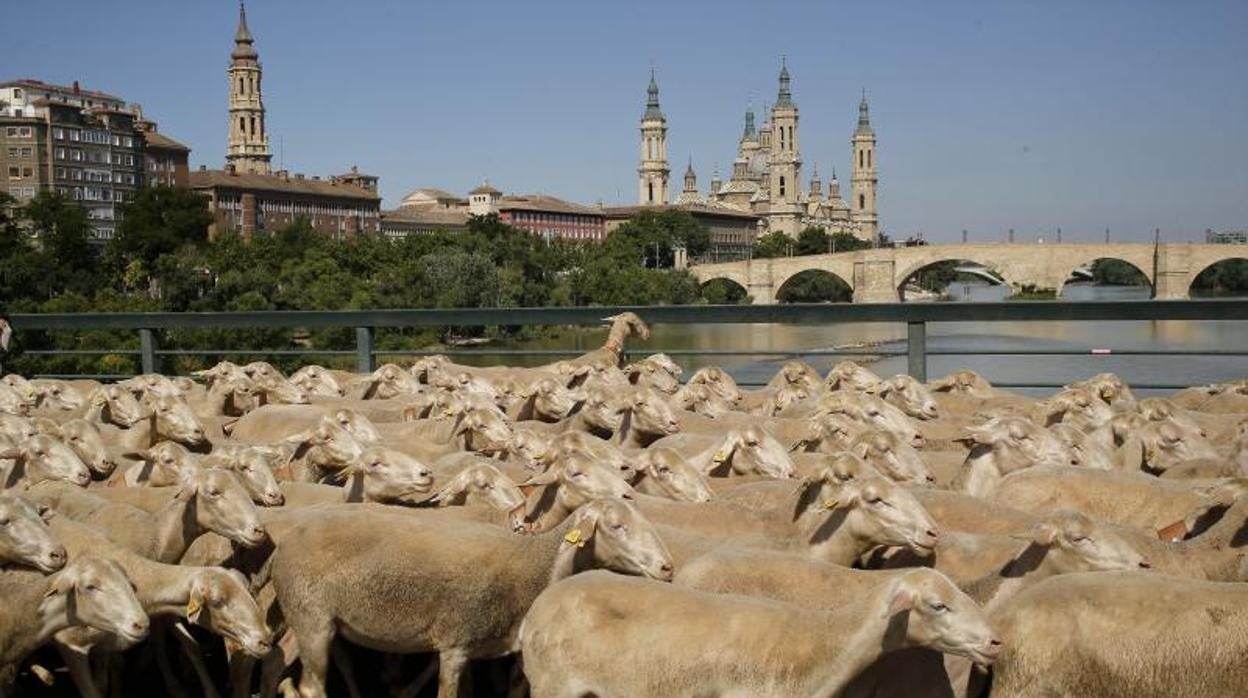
(812, 240)
(160, 220)
(64, 234)
(815, 286)
(774, 244)
(652, 237)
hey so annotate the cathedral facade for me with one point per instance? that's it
(767, 173)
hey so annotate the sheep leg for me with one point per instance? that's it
(173, 685)
(79, 665)
(451, 665)
(275, 663)
(342, 661)
(241, 669)
(314, 648)
(419, 683)
(196, 658)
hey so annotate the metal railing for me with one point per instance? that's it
(916, 317)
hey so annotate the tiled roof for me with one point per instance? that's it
(159, 140)
(544, 202)
(617, 212)
(437, 216)
(49, 87)
(206, 179)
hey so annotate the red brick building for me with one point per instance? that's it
(250, 203)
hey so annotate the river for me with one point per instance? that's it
(980, 336)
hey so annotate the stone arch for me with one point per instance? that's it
(782, 273)
(911, 268)
(1144, 271)
(742, 289)
(1209, 266)
(837, 285)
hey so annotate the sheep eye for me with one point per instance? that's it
(1080, 539)
(91, 587)
(939, 607)
(665, 470)
(4, 522)
(214, 493)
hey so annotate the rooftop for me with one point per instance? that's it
(159, 140)
(49, 87)
(617, 212)
(544, 202)
(433, 216)
(207, 179)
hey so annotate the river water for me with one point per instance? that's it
(978, 336)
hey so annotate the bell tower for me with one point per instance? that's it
(653, 173)
(863, 179)
(248, 149)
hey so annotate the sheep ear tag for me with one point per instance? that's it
(574, 537)
(192, 607)
(830, 503)
(720, 456)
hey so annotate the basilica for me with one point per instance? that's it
(766, 173)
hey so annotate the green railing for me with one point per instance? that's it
(916, 317)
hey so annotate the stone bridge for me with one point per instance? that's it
(876, 275)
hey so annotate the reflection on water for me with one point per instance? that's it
(960, 336)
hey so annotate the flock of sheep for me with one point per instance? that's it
(589, 528)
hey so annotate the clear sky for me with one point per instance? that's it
(1081, 115)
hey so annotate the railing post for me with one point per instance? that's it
(147, 350)
(916, 349)
(364, 362)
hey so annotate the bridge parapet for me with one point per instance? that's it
(876, 275)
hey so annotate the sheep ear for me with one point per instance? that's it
(301, 437)
(807, 489)
(63, 583)
(1044, 535)
(194, 604)
(584, 527)
(452, 492)
(903, 600)
(549, 476)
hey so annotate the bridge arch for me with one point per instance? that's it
(814, 285)
(1225, 276)
(908, 270)
(1131, 275)
(733, 291)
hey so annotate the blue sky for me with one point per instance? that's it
(1081, 115)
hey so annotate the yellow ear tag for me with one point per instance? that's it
(830, 503)
(573, 537)
(192, 607)
(720, 456)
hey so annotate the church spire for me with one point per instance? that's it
(691, 179)
(652, 99)
(243, 42)
(864, 115)
(785, 99)
(750, 132)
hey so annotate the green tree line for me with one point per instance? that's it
(162, 260)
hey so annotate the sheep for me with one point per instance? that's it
(167, 463)
(378, 474)
(656, 371)
(599, 416)
(767, 649)
(908, 395)
(89, 590)
(43, 458)
(84, 438)
(211, 500)
(954, 511)
(665, 473)
(1094, 633)
(848, 375)
(1085, 450)
(891, 456)
(750, 450)
(1126, 498)
(1004, 445)
(1156, 446)
(647, 418)
(24, 535)
(1082, 408)
(356, 578)
(253, 466)
(831, 523)
(480, 482)
(167, 417)
(210, 597)
(316, 381)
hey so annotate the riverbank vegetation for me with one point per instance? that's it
(162, 260)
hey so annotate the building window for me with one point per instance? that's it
(781, 185)
(868, 158)
(17, 93)
(15, 173)
(26, 152)
(13, 152)
(860, 160)
(58, 134)
(28, 172)
(862, 202)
